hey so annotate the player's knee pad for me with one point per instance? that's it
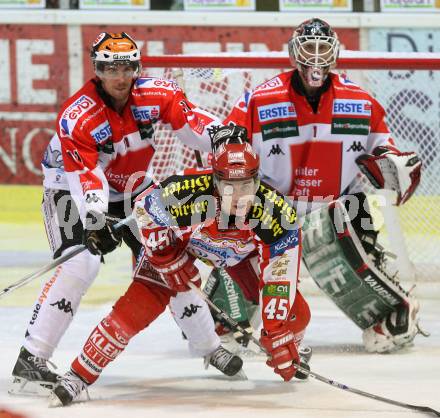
(141, 304)
(356, 281)
(193, 317)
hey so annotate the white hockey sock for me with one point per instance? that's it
(193, 317)
(58, 301)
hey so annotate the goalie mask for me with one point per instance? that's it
(235, 170)
(116, 54)
(314, 47)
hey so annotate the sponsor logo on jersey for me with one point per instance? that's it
(156, 210)
(350, 126)
(78, 108)
(269, 85)
(276, 290)
(145, 113)
(351, 107)
(279, 130)
(225, 254)
(290, 240)
(102, 132)
(276, 111)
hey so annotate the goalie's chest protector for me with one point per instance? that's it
(304, 153)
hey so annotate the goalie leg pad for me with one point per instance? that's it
(340, 266)
(394, 332)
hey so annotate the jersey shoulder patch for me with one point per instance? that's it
(143, 84)
(272, 215)
(77, 107)
(189, 198)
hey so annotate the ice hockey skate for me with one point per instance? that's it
(68, 390)
(31, 376)
(227, 362)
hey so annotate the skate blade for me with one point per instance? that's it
(241, 375)
(33, 388)
(54, 401)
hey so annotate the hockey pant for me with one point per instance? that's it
(245, 275)
(135, 310)
(61, 294)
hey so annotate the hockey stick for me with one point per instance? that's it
(236, 327)
(54, 263)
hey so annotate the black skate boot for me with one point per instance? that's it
(31, 375)
(228, 363)
(305, 354)
(68, 390)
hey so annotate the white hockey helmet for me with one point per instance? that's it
(115, 49)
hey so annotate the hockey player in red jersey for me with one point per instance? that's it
(96, 164)
(315, 131)
(220, 216)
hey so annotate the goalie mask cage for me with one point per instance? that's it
(406, 84)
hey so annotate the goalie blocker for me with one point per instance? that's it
(359, 285)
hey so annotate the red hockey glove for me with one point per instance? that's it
(281, 348)
(398, 171)
(177, 269)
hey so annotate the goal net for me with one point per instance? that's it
(408, 87)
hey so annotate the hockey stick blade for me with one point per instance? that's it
(236, 327)
(53, 264)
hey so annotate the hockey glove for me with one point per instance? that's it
(398, 171)
(99, 236)
(281, 348)
(176, 268)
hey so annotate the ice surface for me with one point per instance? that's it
(155, 377)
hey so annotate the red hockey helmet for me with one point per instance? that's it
(235, 169)
(235, 162)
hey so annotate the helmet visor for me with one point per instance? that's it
(115, 70)
(315, 51)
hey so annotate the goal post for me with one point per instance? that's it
(406, 84)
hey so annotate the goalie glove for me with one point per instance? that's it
(393, 170)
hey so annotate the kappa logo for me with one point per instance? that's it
(92, 197)
(190, 311)
(356, 146)
(62, 305)
(276, 150)
(351, 107)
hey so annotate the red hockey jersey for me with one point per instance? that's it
(99, 154)
(306, 154)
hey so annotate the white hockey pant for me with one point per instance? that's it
(193, 317)
(58, 302)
